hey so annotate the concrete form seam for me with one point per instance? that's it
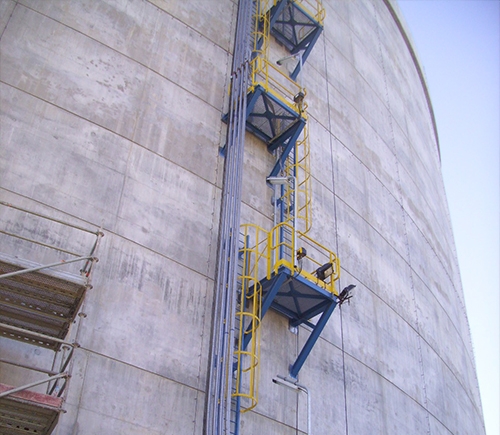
(110, 232)
(51, 207)
(403, 212)
(148, 68)
(191, 27)
(376, 178)
(451, 370)
(142, 369)
(355, 108)
(409, 265)
(84, 375)
(8, 20)
(398, 388)
(370, 171)
(419, 71)
(332, 163)
(144, 147)
(123, 54)
(386, 379)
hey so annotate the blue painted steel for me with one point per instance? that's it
(266, 304)
(290, 20)
(295, 44)
(290, 134)
(268, 115)
(276, 12)
(311, 341)
(309, 41)
(326, 306)
(293, 287)
(288, 141)
(238, 414)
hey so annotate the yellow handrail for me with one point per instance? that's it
(265, 73)
(263, 253)
(314, 8)
(272, 79)
(284, 242)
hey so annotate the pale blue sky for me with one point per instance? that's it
(458, 43)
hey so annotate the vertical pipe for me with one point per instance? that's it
(219, 383)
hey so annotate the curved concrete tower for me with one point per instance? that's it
(112, 120)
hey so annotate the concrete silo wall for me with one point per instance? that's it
(111, 116)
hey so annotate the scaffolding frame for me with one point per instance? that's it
(39, 301)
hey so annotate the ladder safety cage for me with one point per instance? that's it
(282, 269)
(253, 255)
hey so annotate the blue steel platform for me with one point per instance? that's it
(295, 28)
(298, 299)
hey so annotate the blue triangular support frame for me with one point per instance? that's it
(325, 308)
(286, 140)
(288, 115)
(295, 46)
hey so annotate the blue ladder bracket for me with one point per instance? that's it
(273, 122)
(306, 45)
(267, 301)
(296, 297)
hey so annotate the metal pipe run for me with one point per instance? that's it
(46, 266)
(218, 405)
(37, 335)
(33, 384)
(29, 367)
(279, 380)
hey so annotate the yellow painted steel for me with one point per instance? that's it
(265, 252)
(303, 174)
(298, 166)
(283, 245)
(314, 8)
(254, 262)
(262, 255)
(264, 72)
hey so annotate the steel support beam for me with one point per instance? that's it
(311, 341)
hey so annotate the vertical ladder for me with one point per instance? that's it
(253, 260)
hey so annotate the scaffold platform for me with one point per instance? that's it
(45, 272)
(27, 412)
(41, 301)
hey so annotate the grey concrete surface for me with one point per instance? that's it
(110, 115)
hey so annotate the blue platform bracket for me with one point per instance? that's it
(268, 117)
(296, 28)
(301, 283)
(299, 299)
